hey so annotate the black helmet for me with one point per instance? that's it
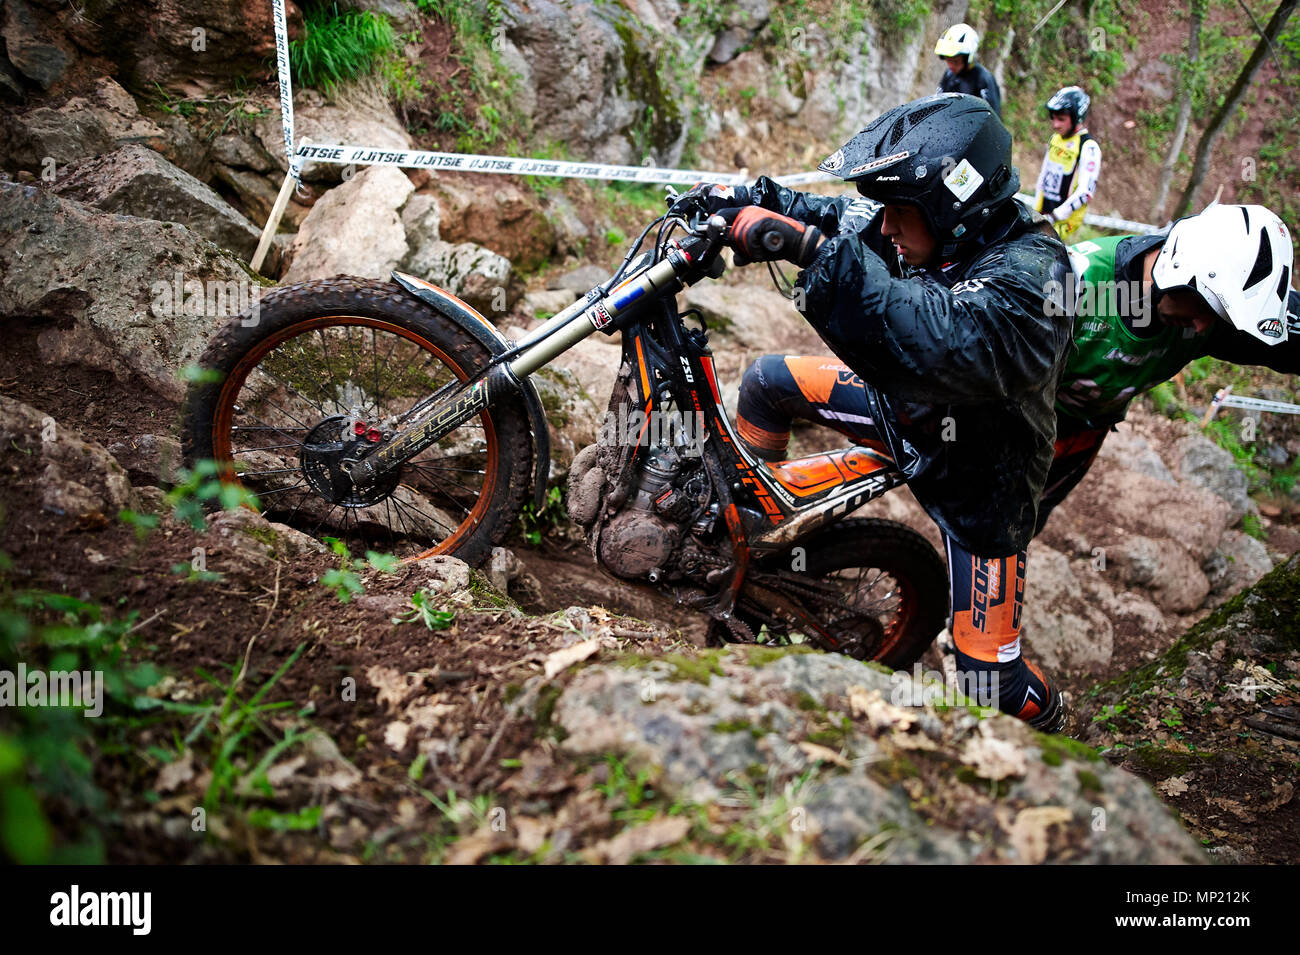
(947, 154)
(1072, 100)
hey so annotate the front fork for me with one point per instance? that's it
(557, 335)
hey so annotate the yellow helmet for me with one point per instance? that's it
(958, 40)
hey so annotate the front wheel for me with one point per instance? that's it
(869, 588)
(326, 366)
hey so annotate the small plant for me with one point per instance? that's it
(1252, 526)
(534, 523)
(337, 47)
(424, 610)
(344, 579)
(206, 485)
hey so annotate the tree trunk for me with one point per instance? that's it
(1196, 15)
(1230, 104)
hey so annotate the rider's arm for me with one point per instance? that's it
(1038, 188)
(989, 90)
(1085, 182)
(991, 336)
(825, 212)
(1229, 344)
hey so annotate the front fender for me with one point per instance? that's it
(482, 331)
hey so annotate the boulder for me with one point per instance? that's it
(869, 768)
(741, 23)
(1111, 502)
(1063, 627)
(92, 123)
(136, 297)
(354, 229)
(139, 182)
(497, 213)
(1163, 568)
(357, 116)
(34, 45)
(591, 76)
(46, 462)
(1203, 463)
(1237, 563)
(191, 46)
(476, 275)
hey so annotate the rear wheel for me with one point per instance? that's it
(329, 366)
(869, 588)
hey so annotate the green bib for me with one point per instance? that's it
(1109, 366)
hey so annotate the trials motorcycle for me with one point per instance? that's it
(394, 417)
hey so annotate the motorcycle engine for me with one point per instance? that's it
(637, 530)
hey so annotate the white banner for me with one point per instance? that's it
(286, 84)
(501, 165)
(506, 165)
(1254, 404)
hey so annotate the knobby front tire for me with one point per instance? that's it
(324, 358)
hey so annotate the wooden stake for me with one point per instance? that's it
(273, 223)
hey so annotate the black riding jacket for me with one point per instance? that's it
(960, 361)
(974, 81)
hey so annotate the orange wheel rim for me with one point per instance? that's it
(234, 384)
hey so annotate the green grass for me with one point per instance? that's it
(337, 47)
(48, 753)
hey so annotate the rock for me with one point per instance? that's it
(11, 84)
(1205, 464)
(753, 320)
(71, 477)
(442, 574)
(403, 14)
(33, 45)
(1129, 450)
(586, 75)
(420, 218)
(241, 151)
(1062, 626)
(157, 42)
(1237, 563)
(742, 20)
(572, 411)
(481, 278)
(548, 303)
(594, 362)
(354, 229)
(91, 124)
(492, 211)
(152, 458)
(1111, 502)
(139, 182)
(357, 116)
(139, 298)
(571, 233)
(1164, 568)
(581, 280)
(871, 788)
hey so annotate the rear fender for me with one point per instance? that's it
(482, 331)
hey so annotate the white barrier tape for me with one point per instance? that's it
(1255, 404)
(502, 165)
(505, 165)
(286, 84)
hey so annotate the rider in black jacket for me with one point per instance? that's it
(951, 351)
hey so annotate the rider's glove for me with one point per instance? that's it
(709, 197)
(758, 235)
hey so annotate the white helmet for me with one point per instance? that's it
(1238, 259)
(958, 40)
